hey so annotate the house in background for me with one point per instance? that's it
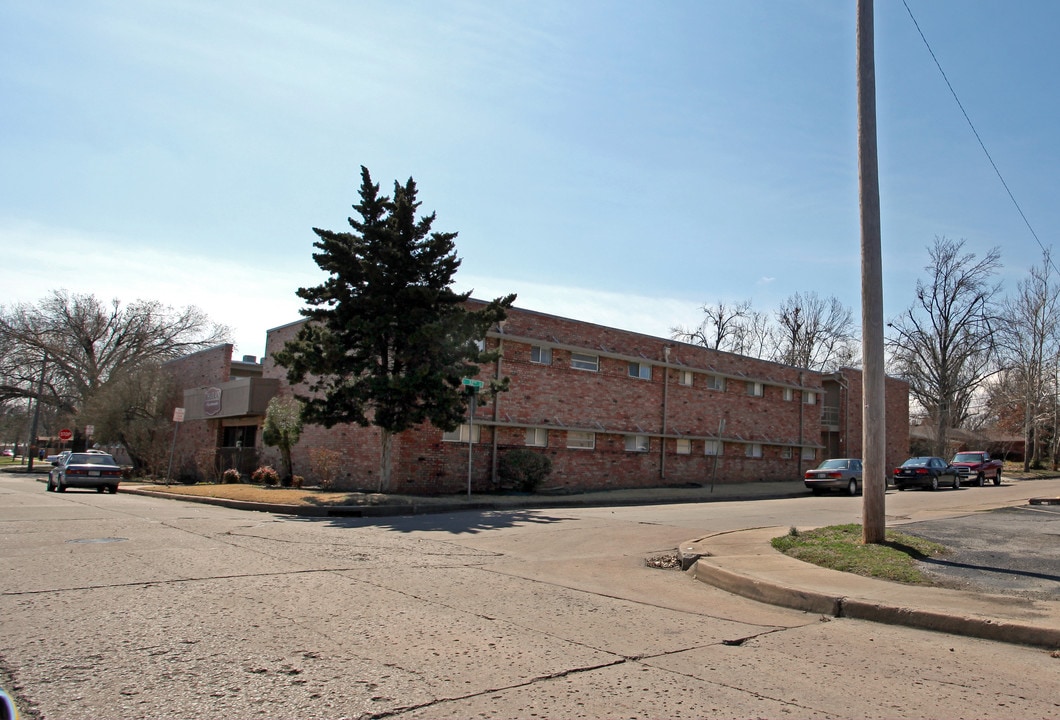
(609, 407)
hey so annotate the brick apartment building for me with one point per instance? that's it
(611, 408)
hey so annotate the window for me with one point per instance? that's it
(537, 437)
(753, 450)
(541, 355)
(712, 447)
(239, 436)
(755, 389)
(684, 446)
(809, 453)
(715, 382)
(684, 377)
(785, 452)
(581, 440)
(460, 434)
(789, 394)
(637, 443)
(640, 370)
(581, 361)
(809, 397)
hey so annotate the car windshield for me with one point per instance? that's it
(967, 457)
(833, 465)
(90, 459)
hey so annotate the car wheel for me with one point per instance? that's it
(979, 480)
(816, 491)
(901, 488)
(935, 483)
(49, 487)
(956, 482)
(113, 489)
(997, 478)
(852, 488)
(59, 487)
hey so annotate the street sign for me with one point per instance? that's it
(66, 435)
(473, 383)
(178, 414)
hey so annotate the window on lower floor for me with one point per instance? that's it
(460, 434)
(712, 447)
(809, 397)
(785, 452)
(809, 453)
(537, 437)
(753, 450)
(239, 436)
(684, 446)
(579, 440)
(715, 382)
(637, 443)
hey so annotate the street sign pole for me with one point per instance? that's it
(473, 387)
(178, 418)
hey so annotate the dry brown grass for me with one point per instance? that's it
(278, 495)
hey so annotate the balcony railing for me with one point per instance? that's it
(829, 415)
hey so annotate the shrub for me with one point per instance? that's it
(525, 469)
(230, 476)
(265, 475)
(297, 481)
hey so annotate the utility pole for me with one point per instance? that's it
(874, 425)
(36, 415)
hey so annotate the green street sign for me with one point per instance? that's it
(473, 383)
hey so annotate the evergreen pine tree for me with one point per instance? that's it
(387, 341)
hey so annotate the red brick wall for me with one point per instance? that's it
(206, 367)
(612, 404)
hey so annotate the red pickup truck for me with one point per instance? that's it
(977, 466)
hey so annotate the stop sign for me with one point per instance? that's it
(66, 435)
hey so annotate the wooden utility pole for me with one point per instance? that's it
(874, 425)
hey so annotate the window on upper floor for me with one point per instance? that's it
(541, 355)
(712, 447)
(685, 377)
(684, 446)
(637, 443)
(640, 370)
(809, 397)
(584, 361)
(753, 450)
(755, 389)
(715, 382)
(789, 394)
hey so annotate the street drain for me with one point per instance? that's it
(86, 541)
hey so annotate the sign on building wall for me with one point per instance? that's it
(211, 403)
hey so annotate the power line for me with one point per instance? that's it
(976, 133)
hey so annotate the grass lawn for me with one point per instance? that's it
(280, 495)
(839, 547)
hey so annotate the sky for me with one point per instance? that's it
(613, 161)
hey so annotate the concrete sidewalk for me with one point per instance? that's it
(743, 562)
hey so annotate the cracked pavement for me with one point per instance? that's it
(133, 607)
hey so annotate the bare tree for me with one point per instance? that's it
(944, 343)
(1028, 345)
(815, 333)
(722, 328)
(87, 343)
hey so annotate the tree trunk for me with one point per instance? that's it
(385, 460)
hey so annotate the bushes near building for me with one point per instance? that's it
(524, 469)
